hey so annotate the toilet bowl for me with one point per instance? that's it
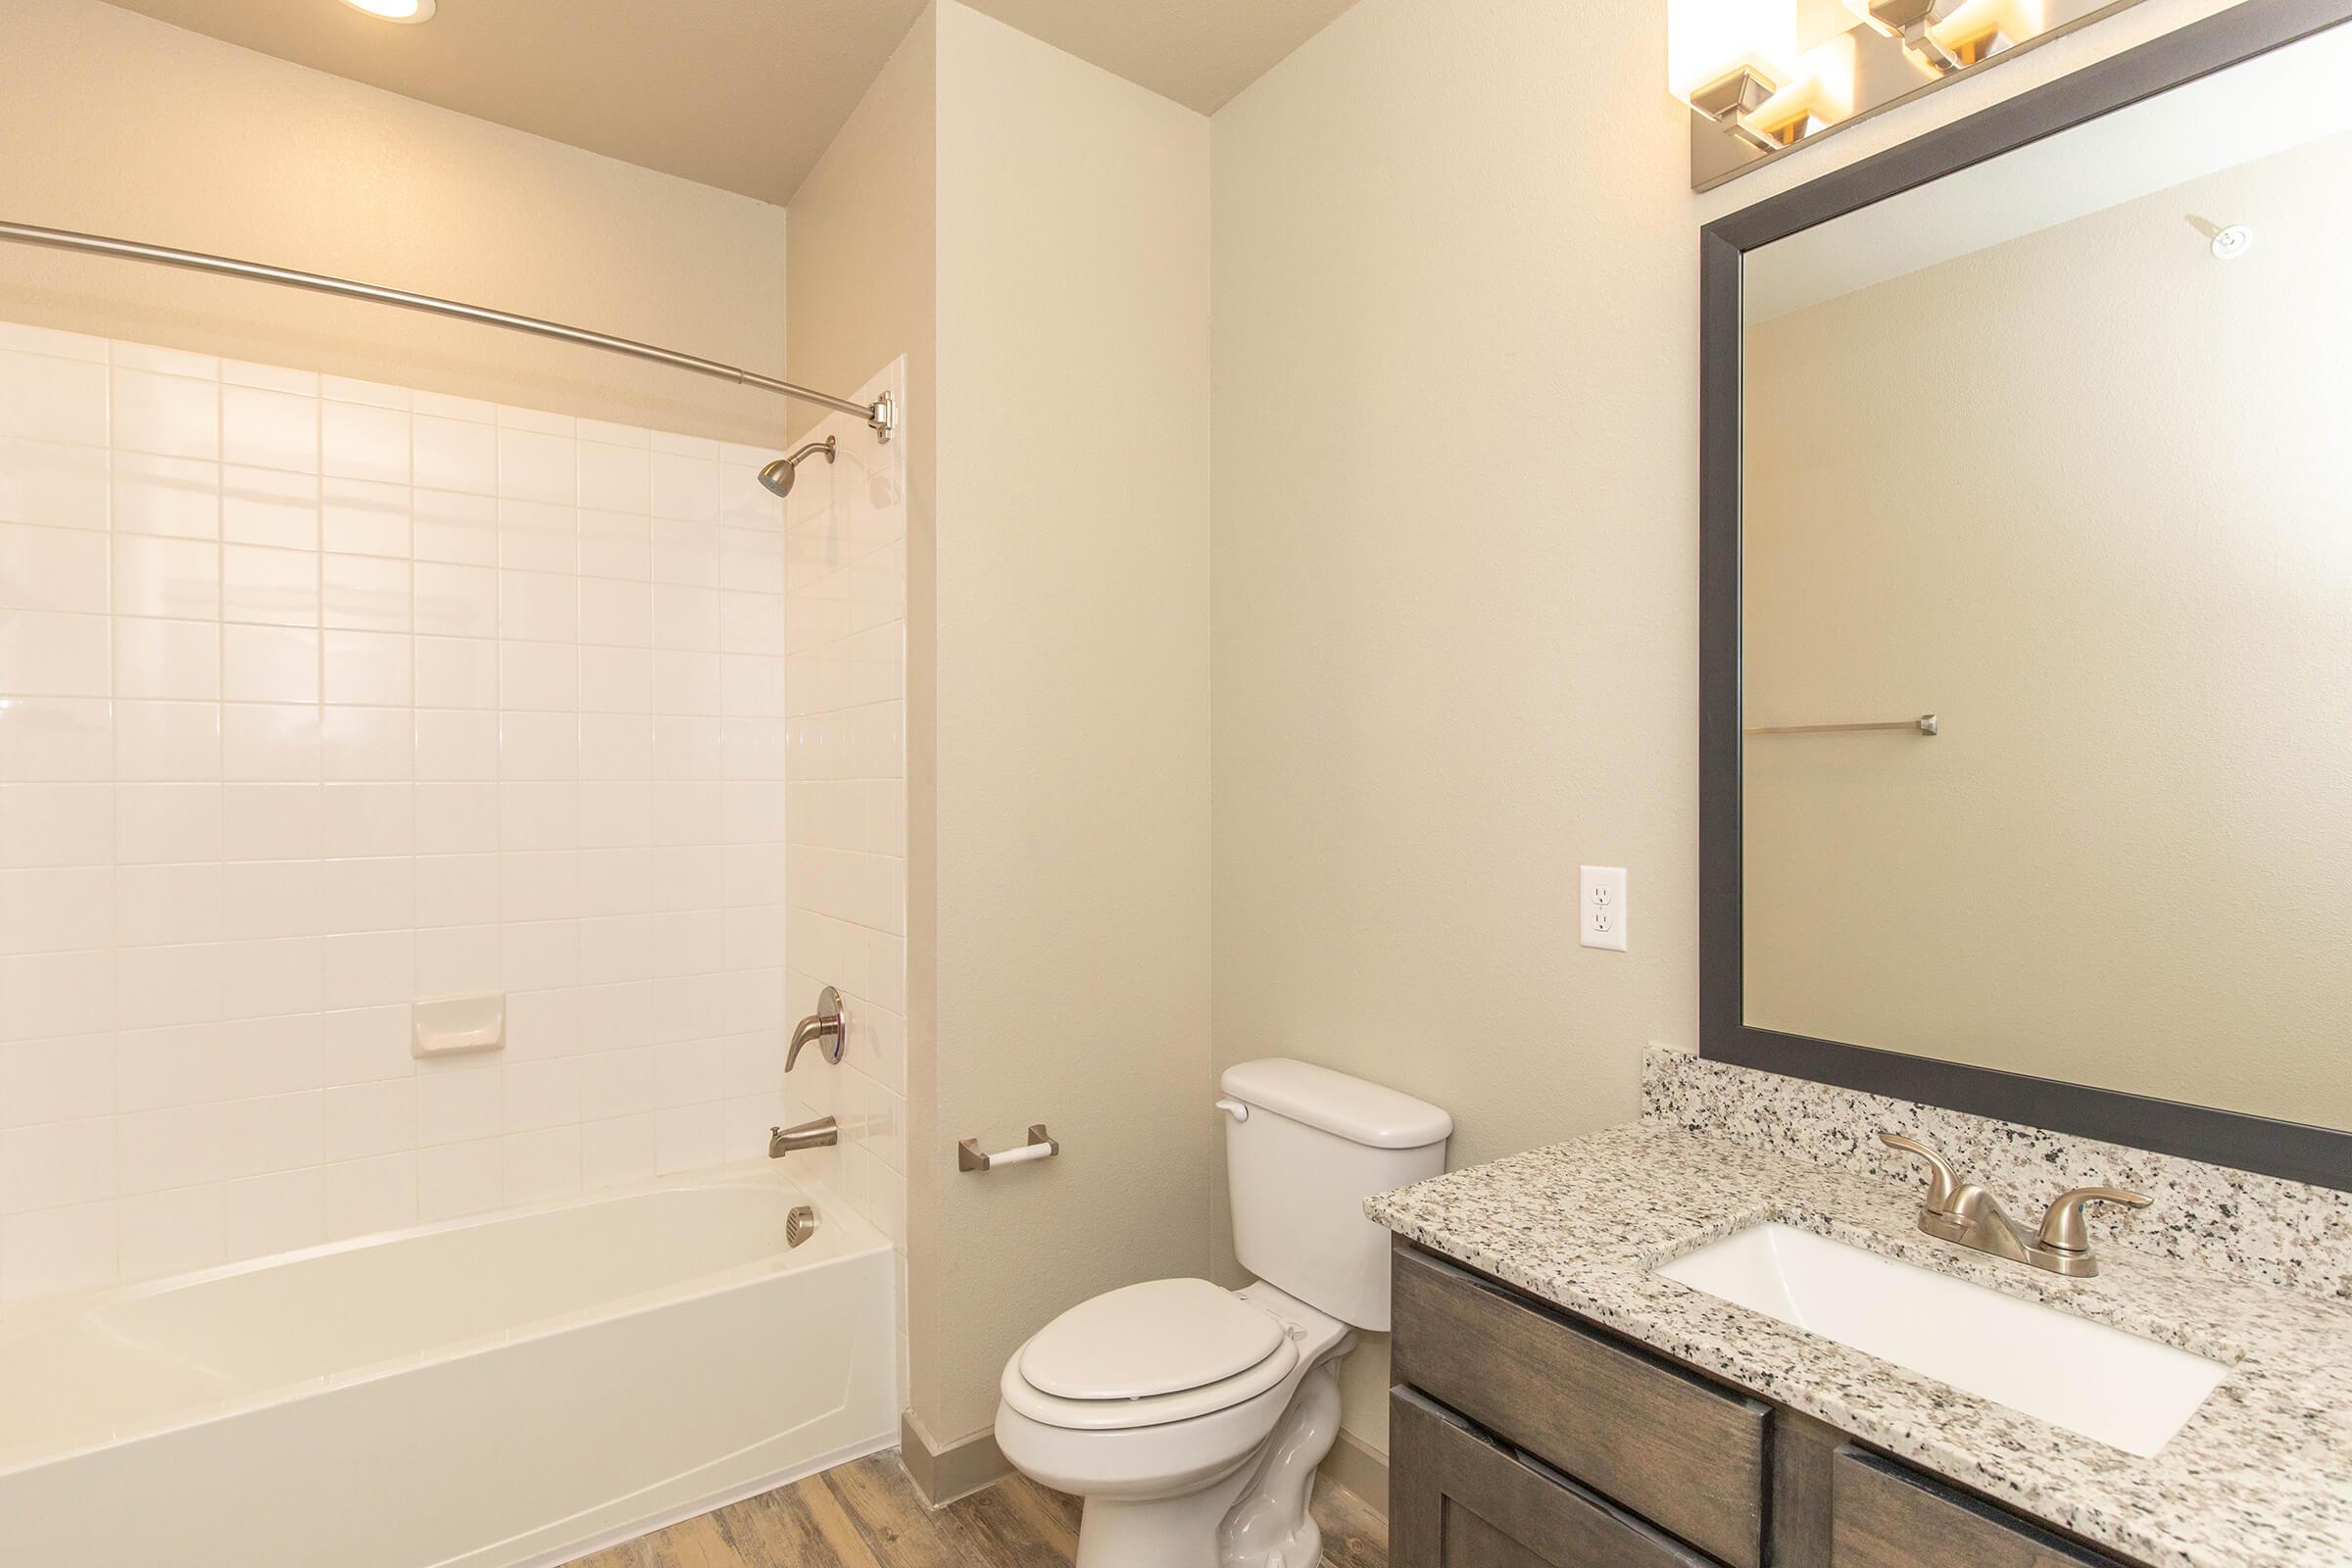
(1192, 1418)
(1160, 1470)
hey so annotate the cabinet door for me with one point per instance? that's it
(1459, 1500)
(1676, 1450)
(1891, 1516)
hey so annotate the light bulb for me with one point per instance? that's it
(1707, 41)
(395, 10)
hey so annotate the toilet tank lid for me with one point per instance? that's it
(1347, 1107)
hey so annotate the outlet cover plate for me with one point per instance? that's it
(1601, 909)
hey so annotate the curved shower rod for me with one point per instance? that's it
(881, 415)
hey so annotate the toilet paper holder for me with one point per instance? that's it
(1041, 1145)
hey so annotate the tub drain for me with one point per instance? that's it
(800, 1225)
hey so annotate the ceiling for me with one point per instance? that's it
(741, 94)
(1197, 52)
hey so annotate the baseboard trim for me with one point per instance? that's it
(1352, 1465)
(941, 1475)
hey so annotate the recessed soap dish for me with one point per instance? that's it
(459, 1026)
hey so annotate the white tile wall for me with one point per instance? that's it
(845, 686)
(319, 697)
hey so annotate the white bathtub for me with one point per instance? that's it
(515, 1389)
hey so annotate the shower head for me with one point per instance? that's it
(777, 476)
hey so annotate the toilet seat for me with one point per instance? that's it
(1148, 1355)
(1159, 1336)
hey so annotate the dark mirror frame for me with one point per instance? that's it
(2288, 1149)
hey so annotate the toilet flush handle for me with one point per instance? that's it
(1234, 1108)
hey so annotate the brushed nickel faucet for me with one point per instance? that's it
(822, 1132)
(1967, 1214)
(825, 1024)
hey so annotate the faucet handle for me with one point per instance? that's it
(1944, 1187)
(825, 1024)
(2062, 1228)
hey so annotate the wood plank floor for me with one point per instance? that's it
(867, 1514)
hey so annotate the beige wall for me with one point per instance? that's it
(118, 125)
(865, 229)
(863, 225)
(1454, 608)
(1453, 611)
(1047, 277)
(1071, 603)
(2112, 556)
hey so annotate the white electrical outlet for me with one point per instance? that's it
(1601, 907)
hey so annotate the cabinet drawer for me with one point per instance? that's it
(1887, 1516)
(1673, 1447)
(1457, 1500)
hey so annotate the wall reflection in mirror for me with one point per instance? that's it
(2059, 449)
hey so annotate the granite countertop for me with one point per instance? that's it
(2261, 1477)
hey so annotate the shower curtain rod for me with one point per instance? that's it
(881, 415)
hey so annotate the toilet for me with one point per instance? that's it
(1191, 1418)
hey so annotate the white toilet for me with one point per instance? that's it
(1190, 1417)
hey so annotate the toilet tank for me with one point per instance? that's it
(1302, 1155)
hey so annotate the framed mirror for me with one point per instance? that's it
(2027, 609)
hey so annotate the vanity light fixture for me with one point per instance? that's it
(1731, 97)
(1727, 59)
(395, 10)
(1765, 72)
(1913, 22)
(1948, 35)
(1820, 96)
(1763, 76)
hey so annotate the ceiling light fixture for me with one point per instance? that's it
(395, 10)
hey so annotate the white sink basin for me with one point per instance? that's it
(2086, 1377)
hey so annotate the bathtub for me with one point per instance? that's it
(520, 1388)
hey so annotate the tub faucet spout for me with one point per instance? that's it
(822, 1132)
(825, 1024)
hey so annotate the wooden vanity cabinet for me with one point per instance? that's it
(1523, 1436)
(1889, 1515)
(1673, 1447)
(1459, 1499)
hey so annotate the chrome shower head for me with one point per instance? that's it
(778, 475)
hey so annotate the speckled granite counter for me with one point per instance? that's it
(2260, 1477)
